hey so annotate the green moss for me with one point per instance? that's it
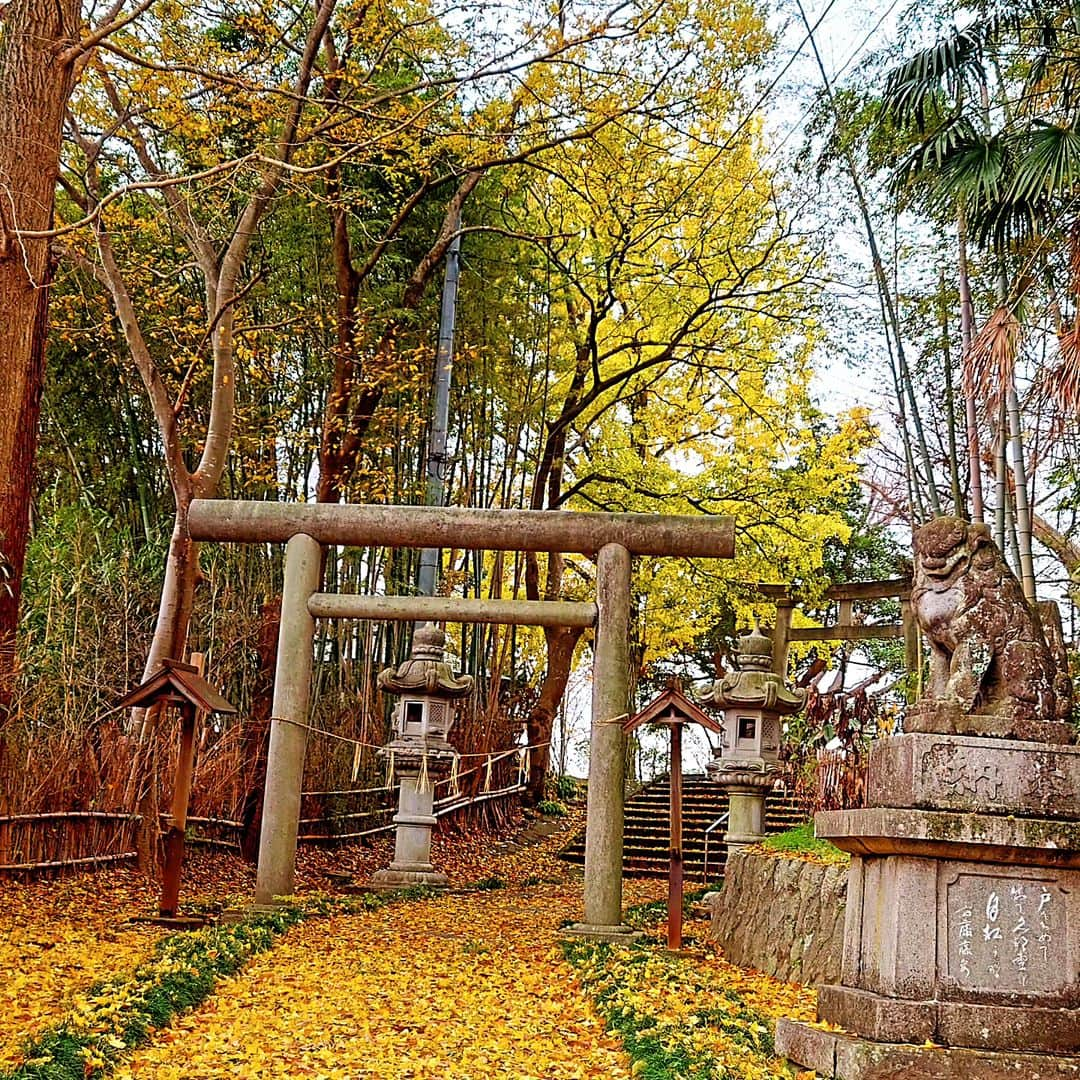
(802, 841)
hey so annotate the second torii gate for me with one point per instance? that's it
(613, 538)
(845, 628)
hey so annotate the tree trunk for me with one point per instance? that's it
(35, 84)
(967, 323)
(182, 574)
(561, 642)
(357, 389)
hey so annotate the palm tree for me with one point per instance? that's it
(1001, 153)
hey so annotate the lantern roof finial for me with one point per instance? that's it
(754, 685)
(426, 671)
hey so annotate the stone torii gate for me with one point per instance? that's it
(613, 538)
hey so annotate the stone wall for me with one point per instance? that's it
(781, 916)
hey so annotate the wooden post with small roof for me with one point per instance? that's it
(673, 709)
(181, 685)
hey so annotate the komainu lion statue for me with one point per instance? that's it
(988, 652)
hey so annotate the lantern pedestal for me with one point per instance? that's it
(412, 841)
(746, 805)
(754, 700)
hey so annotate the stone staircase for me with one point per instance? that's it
(646, 834)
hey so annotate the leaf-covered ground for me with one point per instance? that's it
(461, 986)
(467, 985)
(56, 938)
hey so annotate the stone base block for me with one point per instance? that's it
(840, 1056)
(239, 914)
(877, 1017)
(956, 1024)
(390, 879)
(947, 835)
(173, 922)
(942, 718)
(973, 775)
(597, 932)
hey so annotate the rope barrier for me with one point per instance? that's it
(379, 746)
(423, 782)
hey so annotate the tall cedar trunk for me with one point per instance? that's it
(35, 84)
(257, 731)
(561, 642)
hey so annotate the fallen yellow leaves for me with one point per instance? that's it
(690, 1015)
(56, 939)
(466, 987)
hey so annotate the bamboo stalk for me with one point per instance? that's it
(57, 863)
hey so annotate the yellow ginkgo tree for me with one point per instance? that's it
(680, 326)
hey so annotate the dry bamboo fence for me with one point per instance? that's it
(36, 845)
(64, 840)
(840, 780)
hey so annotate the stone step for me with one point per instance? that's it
(646, 828)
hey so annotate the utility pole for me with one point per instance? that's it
(440, 408)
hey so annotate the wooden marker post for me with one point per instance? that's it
(675, 871)
(673, 709)
(181, 685)
(174, 835)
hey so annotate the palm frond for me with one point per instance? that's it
(1058, 388)
(951, 138)
(994, 351)
(1048, 165)
(977, 171)
(947, 65)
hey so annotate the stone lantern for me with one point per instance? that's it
(754, 699)
(419, 752)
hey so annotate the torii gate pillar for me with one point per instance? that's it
(607, 751)
(288, 741)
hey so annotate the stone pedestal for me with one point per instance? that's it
(746, 804)
(412, 840)
(963, 915)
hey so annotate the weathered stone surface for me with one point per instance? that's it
(807, 1046)
(837, 1056)
(1004, 1027)
(781, 916)
(944, 834)
(950, 1023)
(951, 930)
(1008, 935)
(891, 905)
(945, 718)
(619, 934)
(884, 1019)
(988, 653)
(963, 773)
